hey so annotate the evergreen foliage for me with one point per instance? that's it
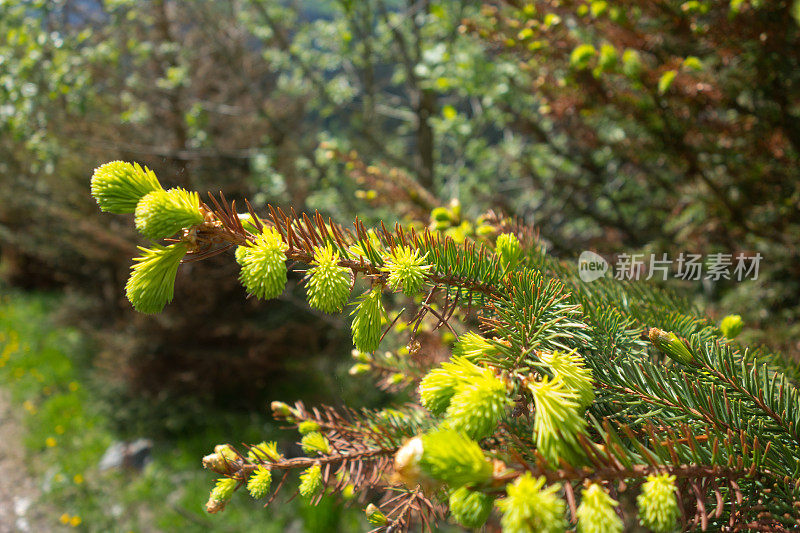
(220, 495)
(118, 186)
(328, 283)
(259, 482)
(161, 213)
(315, 443)
(597, 512)
(366, 324)
(263, 264)
(530, 507)
(406, 270)
(470, 508)
(311, 482)
(152, 281)
(598, 155)
(620, 387)
(454, 458)
(658, 508)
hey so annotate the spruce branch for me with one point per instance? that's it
(473, 269)
(606, 386)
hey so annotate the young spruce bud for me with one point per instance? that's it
(220, 494)
(528, 507)
(452, 458)
(152, 282)
(315, 443)
(375, 516)
(216, 463)
(572, 369)
(478, 406)
(328, 283)
(259, 482)
(658, 507)
(263, 264)
(509, 249)
(366, 326)
(161, 213)
(118, 186)
(226, 451)
(282, 410)
(307, 426)
(470, 508)
(596, 512)
(311, 482)
(266, 451)
(407, 270)
(438, 387)
(406, 462)
(731, 326)
(670, 344)
(472, 346)
(558, 420)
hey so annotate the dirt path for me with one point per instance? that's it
(18, 490)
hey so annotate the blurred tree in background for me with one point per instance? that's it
(628, 126)
(667, 127)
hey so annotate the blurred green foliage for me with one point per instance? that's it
(690, 143)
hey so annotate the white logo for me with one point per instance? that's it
(591, 266)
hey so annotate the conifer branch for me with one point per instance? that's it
(566, 384)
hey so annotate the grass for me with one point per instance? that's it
(63, 403)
